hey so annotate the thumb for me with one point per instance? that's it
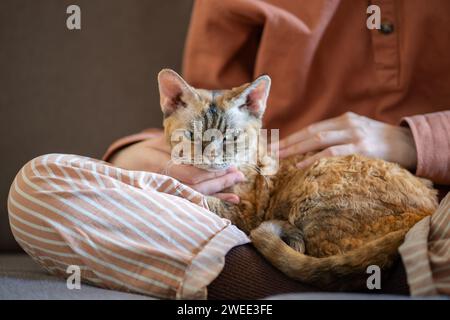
(229, 197)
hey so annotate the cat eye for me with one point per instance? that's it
(230, 138)
(188, 134)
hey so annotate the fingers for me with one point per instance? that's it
(187, 174)
(218, 184)
(345, 121)
(318, 141)
(308, 132)
(229, 197)
(191, 175)
(341, 150)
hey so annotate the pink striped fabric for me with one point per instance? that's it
(147, 233)
(126, 230)
(426, 253)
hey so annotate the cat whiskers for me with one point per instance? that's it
(258, 170)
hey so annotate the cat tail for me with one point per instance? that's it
(339, 272)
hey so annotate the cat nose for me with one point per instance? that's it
(213, 155)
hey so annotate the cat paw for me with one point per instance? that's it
(297, 245)
(293, 237)
(290, 234)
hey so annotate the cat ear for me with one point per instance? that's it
(255, 96)
(172, 88)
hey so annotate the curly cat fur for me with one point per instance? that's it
(324, 224)
(336, 217)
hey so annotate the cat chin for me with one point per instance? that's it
(213, 167)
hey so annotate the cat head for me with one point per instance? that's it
(215, 126)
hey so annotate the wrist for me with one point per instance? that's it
(410, 156)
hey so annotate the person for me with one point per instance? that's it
(338, 88)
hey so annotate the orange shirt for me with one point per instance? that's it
(324, 61)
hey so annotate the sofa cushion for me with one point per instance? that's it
(22, 278)
(76, 91)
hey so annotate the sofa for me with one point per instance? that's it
(76, 91)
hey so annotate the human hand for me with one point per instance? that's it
(153, 155)
(352, 134)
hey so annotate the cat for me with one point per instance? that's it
(322, 225)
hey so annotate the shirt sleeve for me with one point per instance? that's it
(432, 137)
(128, 140)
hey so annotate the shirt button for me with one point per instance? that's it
(386, 28)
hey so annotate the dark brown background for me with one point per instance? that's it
(76, 91)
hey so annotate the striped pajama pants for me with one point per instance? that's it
(126, 230)
(147, 233)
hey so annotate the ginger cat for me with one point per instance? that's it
(322, 225)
